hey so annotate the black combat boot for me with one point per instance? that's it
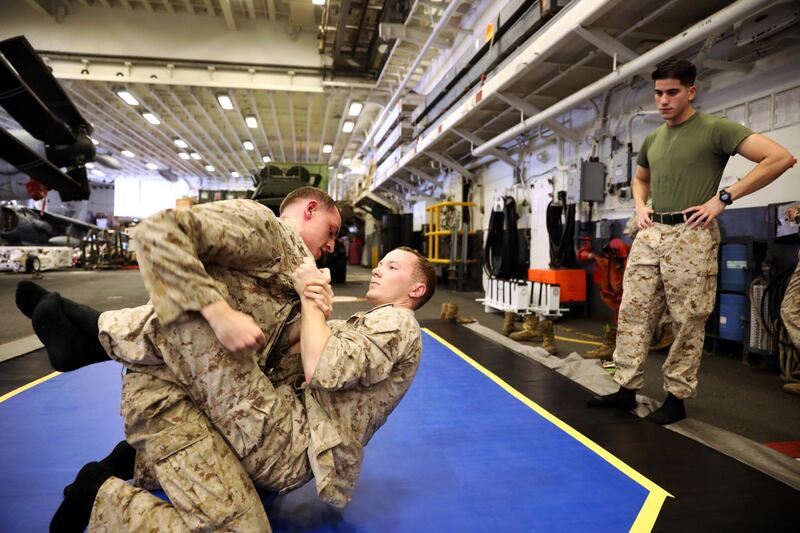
(622, 399)
(670, 411)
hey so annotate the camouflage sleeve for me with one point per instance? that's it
(172, 247)
(365, 353)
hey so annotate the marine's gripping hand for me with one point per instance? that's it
(314, 284)
(235, 330)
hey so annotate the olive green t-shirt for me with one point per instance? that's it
(686, 161)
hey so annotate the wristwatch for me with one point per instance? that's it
(725, 197)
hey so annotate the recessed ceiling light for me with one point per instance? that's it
(151, 166)
(95, 142)
(327, 148)
(97, 173)
(89, 165)
(340, 175)
(355, 109)
(348, 126)
(209, 168)
(127, 97)
(184, 155)
(266, 159)
(248, 145)
(225, 101)
(128, 153)
(235, 174)
(151, 118)
(180, 143)
(195, 156)
(318, 2)
(346, 161)
(251, 122)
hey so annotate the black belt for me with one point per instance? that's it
(669, 218)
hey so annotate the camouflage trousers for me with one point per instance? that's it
(790, 307)
(263, 427)
(674, 268)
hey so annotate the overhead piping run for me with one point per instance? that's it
(717, 22)
(448, 13)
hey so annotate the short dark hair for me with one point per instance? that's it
(682, 70)
(424, 273)
(308, 193)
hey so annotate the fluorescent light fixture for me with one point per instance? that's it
(251, 122)
(180, 143)
(355, 109)
(89, 165)
(195, 156)
(346, 161)
(266, 159)
(151, 118)
(151, 166)
(235, 174)
(97, 173)
(248, 146)
(225, 101)
(128, 153)
(318, 2)
(184, 155)
(340, 175)
(348, 126)
(209, 168)
(127, 98)
(95, 142)
(327, 148)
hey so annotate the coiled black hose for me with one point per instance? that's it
(562, 234)
(501, 249)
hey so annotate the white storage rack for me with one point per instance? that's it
(522, 297)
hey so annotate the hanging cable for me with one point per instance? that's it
(561, 233)
(502, 246)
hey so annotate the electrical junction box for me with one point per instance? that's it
(593, 181)
(622, 167)
(573, 185)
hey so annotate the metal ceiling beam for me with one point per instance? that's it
(189, 6)
(125, 3)
(450, 163)
(125, 130)
(227, 12)
(273, 15)
(308, 126)
(188, 133)
(168, 6)
(422, 174)
(147, 5)
(291, 123)
(39, 8)
(271, 99)
(530, 110)
(254, 109)
(244, 170)
(477, 141)
(106, 3)
(339, 153)
(251, 9)
(324, 128)
(344, 15)
(606, 43)
(196, 127)
(249, 154)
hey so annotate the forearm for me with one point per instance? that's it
(314, 335)
(767, 171)
(641, 191)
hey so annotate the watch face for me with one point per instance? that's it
(725, 196)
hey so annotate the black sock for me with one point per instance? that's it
(28, 296)
(82, 316)
(622, 399)
(671, 411)
(74, 512)
(68, 347)
(121, 461)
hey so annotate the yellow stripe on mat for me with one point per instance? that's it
(30, 385)
(648, 514)
(569, 339)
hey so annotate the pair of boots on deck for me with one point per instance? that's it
(533, 329)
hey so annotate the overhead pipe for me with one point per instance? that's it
(440, 25)
(717, 22)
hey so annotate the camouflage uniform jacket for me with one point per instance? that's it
(365, 369)
(234, 250)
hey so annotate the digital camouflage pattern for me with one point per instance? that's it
(365, 369)
(672, 267)
(790, 308)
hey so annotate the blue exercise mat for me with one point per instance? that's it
(462, 452)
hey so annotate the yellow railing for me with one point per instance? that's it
(435, 231)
